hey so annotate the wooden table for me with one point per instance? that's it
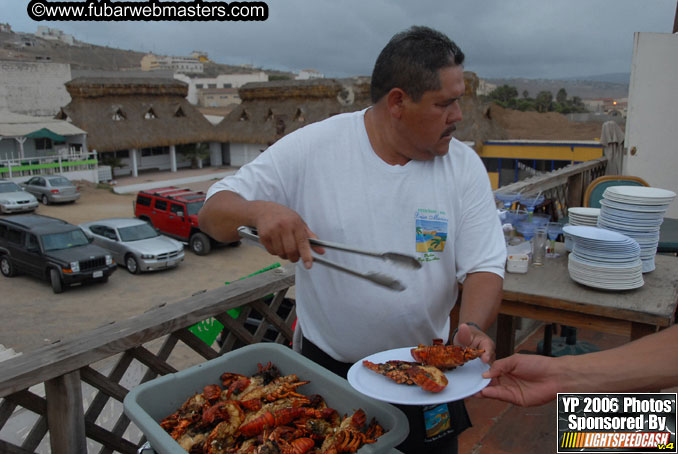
(547, 293)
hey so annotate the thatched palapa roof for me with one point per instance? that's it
(127, 113)
(270, 110)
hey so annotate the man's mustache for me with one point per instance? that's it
(448, 131)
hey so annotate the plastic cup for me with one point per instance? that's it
(539, 246)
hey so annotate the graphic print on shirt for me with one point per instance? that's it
(431, 233)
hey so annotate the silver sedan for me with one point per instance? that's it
(52, 188)
(135, 244)
(14, 199)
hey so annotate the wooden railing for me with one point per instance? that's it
(73, 389)
(564, 187)
(159, 340)
(69, 162)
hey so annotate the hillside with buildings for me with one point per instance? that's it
(50, 45)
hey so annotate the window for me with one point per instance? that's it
(32, 242)
(119, 115)
(109, 233)
(160, 204)
(244, 116)
(65, 240)
(150, 115)
(144, 201)
(14, 235)
(175, 208)
(43, 144)
(104, 231)
(179, 113)
(299, 116)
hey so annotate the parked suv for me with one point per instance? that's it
(174, 212)
(53, 250)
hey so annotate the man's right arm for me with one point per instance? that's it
(281, 230)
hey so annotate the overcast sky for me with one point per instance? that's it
(340, 38)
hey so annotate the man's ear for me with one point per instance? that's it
(396, 100)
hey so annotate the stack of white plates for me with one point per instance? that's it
(604, 259)
(637, 212)
(583, 216)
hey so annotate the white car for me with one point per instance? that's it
(13, 199)
(135, 244)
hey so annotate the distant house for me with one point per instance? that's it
(196, 84)
(188, 65)
(306, 74)
(218, 97)
(33, 88)
(54, 34)
(140, 122)
(25, 137)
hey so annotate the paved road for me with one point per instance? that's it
(32, 315)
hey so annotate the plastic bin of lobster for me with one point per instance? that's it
(147, 404)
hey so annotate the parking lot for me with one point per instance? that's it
(32, 315)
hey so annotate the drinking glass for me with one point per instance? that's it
(539, 246)
(531, 203)
(507, 198)
(553, 229)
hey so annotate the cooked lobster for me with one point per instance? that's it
(444, 357)
(265, 414)
(410, 373)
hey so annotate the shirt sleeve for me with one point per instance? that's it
(266, 177)
(480, 244)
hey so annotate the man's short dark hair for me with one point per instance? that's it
(411, 61)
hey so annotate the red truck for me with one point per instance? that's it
(174, 212)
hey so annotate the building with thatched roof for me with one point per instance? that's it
(136, 123)
(270, 110)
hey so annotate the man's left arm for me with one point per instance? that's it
(480, 301)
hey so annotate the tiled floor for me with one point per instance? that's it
(504, 428)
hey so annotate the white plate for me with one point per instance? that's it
(463, 381)
(640, 192)
(584, 211)
(594, 233)
(631, 207)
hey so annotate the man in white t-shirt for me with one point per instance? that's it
(389, 178)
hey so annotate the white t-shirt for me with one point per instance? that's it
(441, 211)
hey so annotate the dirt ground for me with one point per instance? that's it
(33, 316)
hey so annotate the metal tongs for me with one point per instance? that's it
(375, 277)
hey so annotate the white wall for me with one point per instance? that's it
(242, 153)
(653, 113)
(221, 81)
(34, 88)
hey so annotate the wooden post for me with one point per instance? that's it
(506, 330)
(65, 416)
(575, 190)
